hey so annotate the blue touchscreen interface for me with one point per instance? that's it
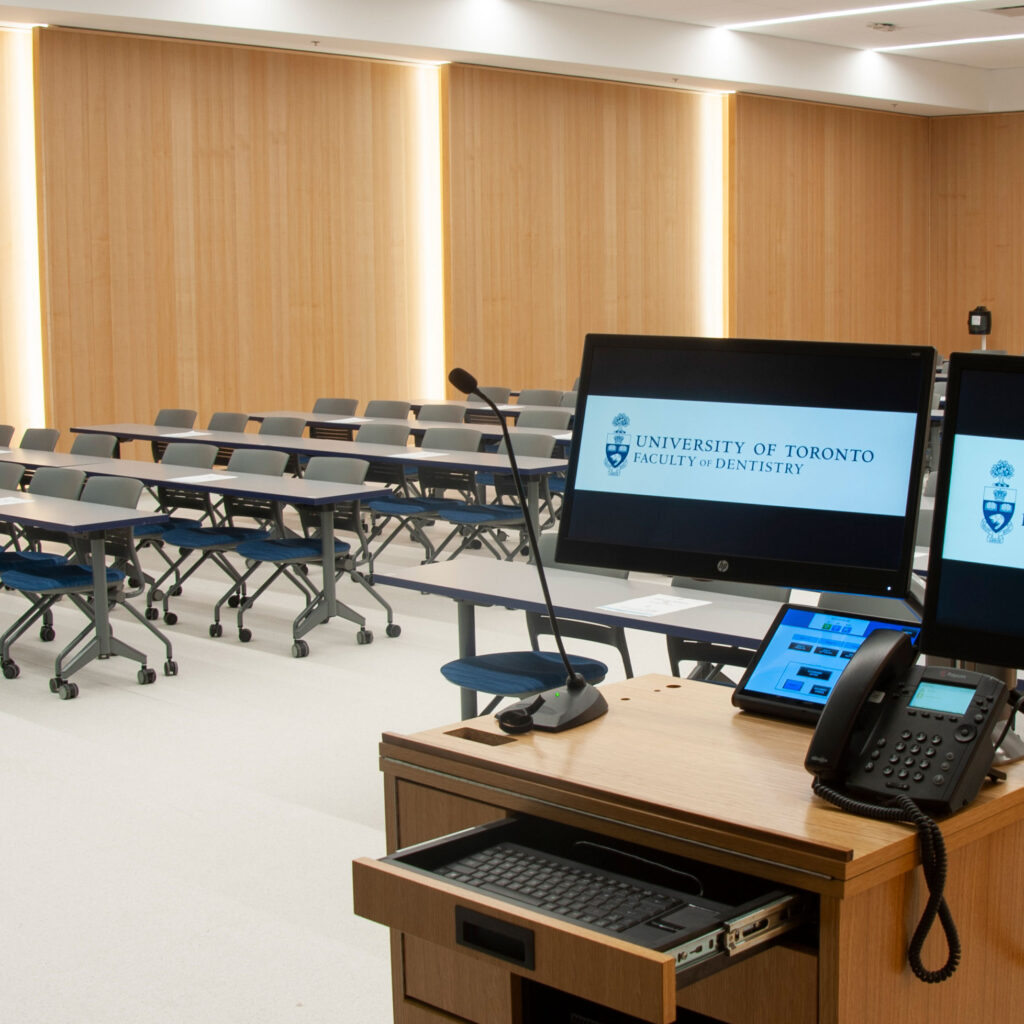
(807, 652)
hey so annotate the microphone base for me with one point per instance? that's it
(564, 708)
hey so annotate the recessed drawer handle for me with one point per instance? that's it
(496, 938)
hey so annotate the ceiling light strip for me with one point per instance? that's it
(849, 12)
(949, 42)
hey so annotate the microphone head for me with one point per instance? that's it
(463, 380)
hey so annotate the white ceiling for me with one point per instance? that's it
(669, 43)
(973, 19)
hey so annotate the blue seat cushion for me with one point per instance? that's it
(158, 530)
(50, 578)
(516, 672)
(481, 515)
(29, 559)
(288, 549)
(411, 506)
(205, 537)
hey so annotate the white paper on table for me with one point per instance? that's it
(654, 605)
(202, 478)
(14, 501)
(188, 433)
(350, 419)
(419, 453)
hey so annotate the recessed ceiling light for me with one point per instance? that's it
(949, 42)
(846, 13)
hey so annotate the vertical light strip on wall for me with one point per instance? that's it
(20, 331)
(432, 371)
(712, 213)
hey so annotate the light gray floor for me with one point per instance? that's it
(181, 852)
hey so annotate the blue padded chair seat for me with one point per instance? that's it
(411, 506)
(517, 672)
(29, 559)
(49, 578)
(288, 549)
(201, 537)
(161, 529)
(474, 515)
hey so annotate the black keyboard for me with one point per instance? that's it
(578, 893)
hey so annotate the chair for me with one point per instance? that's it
(232, 422)
(539, 396)
(711, 658)
(184, 418)
(286, 426)
(172, 499)
(101, 445)
(340, 407)
(213, 543)
(40, 439)
(568, 400)
(415, 512)
(441, 413)
(538, 624)
(10, 480)
(46, 585)
(384, 408)
(487, 524)
(551, 419)
(291, 557)
(515, 674)
(477, 411)
(6, 433)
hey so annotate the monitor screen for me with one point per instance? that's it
(976, 561)
(790, 463)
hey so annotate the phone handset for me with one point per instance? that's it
(881, 662)
(884, 656)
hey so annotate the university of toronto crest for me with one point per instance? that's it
(616, 446)
(998, 503)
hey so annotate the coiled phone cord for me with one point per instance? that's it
(933, 864)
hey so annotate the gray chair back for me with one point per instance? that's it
(40, 439)
(387, 408)
(441, 413)
(496, 393)
(122, 491)
(539, 396)
(186, 453)
(283, 426)
(101, 445)
(539, 445)
(568, 400)
(258, 460)
(555, 419)
(57, 482)
(336, 406)
(335, 470)
(176, 418)
(383, 433)
(10, 476)
(6, 433)
(458, 439)
(231, 421)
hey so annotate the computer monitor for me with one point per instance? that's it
(782, 462)
(976, 564)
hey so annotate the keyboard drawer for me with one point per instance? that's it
(403, 892)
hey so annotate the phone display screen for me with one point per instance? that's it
(802, 657)
(941, 697)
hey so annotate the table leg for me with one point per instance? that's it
(467, 649)
(101, 611)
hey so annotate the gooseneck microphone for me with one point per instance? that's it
(563, 707)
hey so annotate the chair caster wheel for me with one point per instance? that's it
(152, 614)
(11, 670)
(146, 676)
(216, 629)
(245, 635)
(170, 667)
(64, 690)
(46, 633)
(156, 595)
(393, 629)
(300, 649)
(364, 636)
(170, 618)
(175, 591)
(233, 601)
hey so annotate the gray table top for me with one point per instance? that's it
(70, 515)
(631, 603)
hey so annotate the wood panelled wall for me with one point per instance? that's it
(223, 227)
(977, 250)
(828, 223)
(571, 206)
